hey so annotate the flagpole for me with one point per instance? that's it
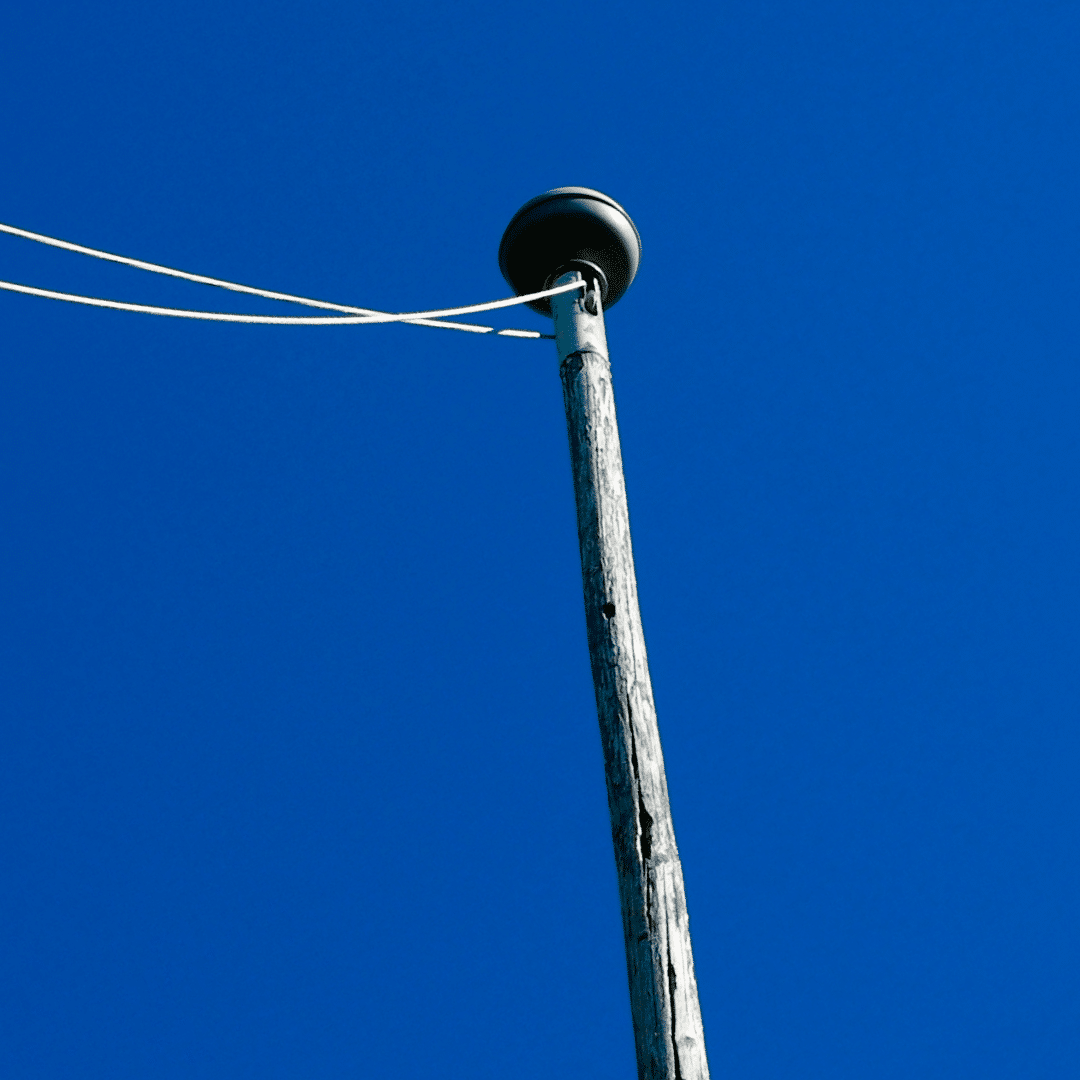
(593, 238)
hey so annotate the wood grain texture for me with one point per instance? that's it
(663, 992)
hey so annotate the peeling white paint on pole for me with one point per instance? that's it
(660, 965)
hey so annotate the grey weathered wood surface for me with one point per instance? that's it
(660, 965)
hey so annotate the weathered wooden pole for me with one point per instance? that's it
(591, 237)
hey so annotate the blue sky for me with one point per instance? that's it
(299, 767)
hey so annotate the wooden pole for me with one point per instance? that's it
(660, 965)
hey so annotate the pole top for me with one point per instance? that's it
(570, 228)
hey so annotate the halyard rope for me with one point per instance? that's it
(322, 320)
(356, 316)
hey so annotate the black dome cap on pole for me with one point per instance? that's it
(570, 228)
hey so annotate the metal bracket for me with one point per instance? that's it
(591, 302)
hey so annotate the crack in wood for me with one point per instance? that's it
(674, 1011)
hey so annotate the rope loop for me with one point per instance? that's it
(353, 316)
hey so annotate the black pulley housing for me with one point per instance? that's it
(570, 228)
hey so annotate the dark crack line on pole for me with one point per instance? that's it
(671, 998)
(644, 828)
(645, 821)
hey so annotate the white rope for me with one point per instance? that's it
(233, 287)
(279, 320)
(202, 280)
